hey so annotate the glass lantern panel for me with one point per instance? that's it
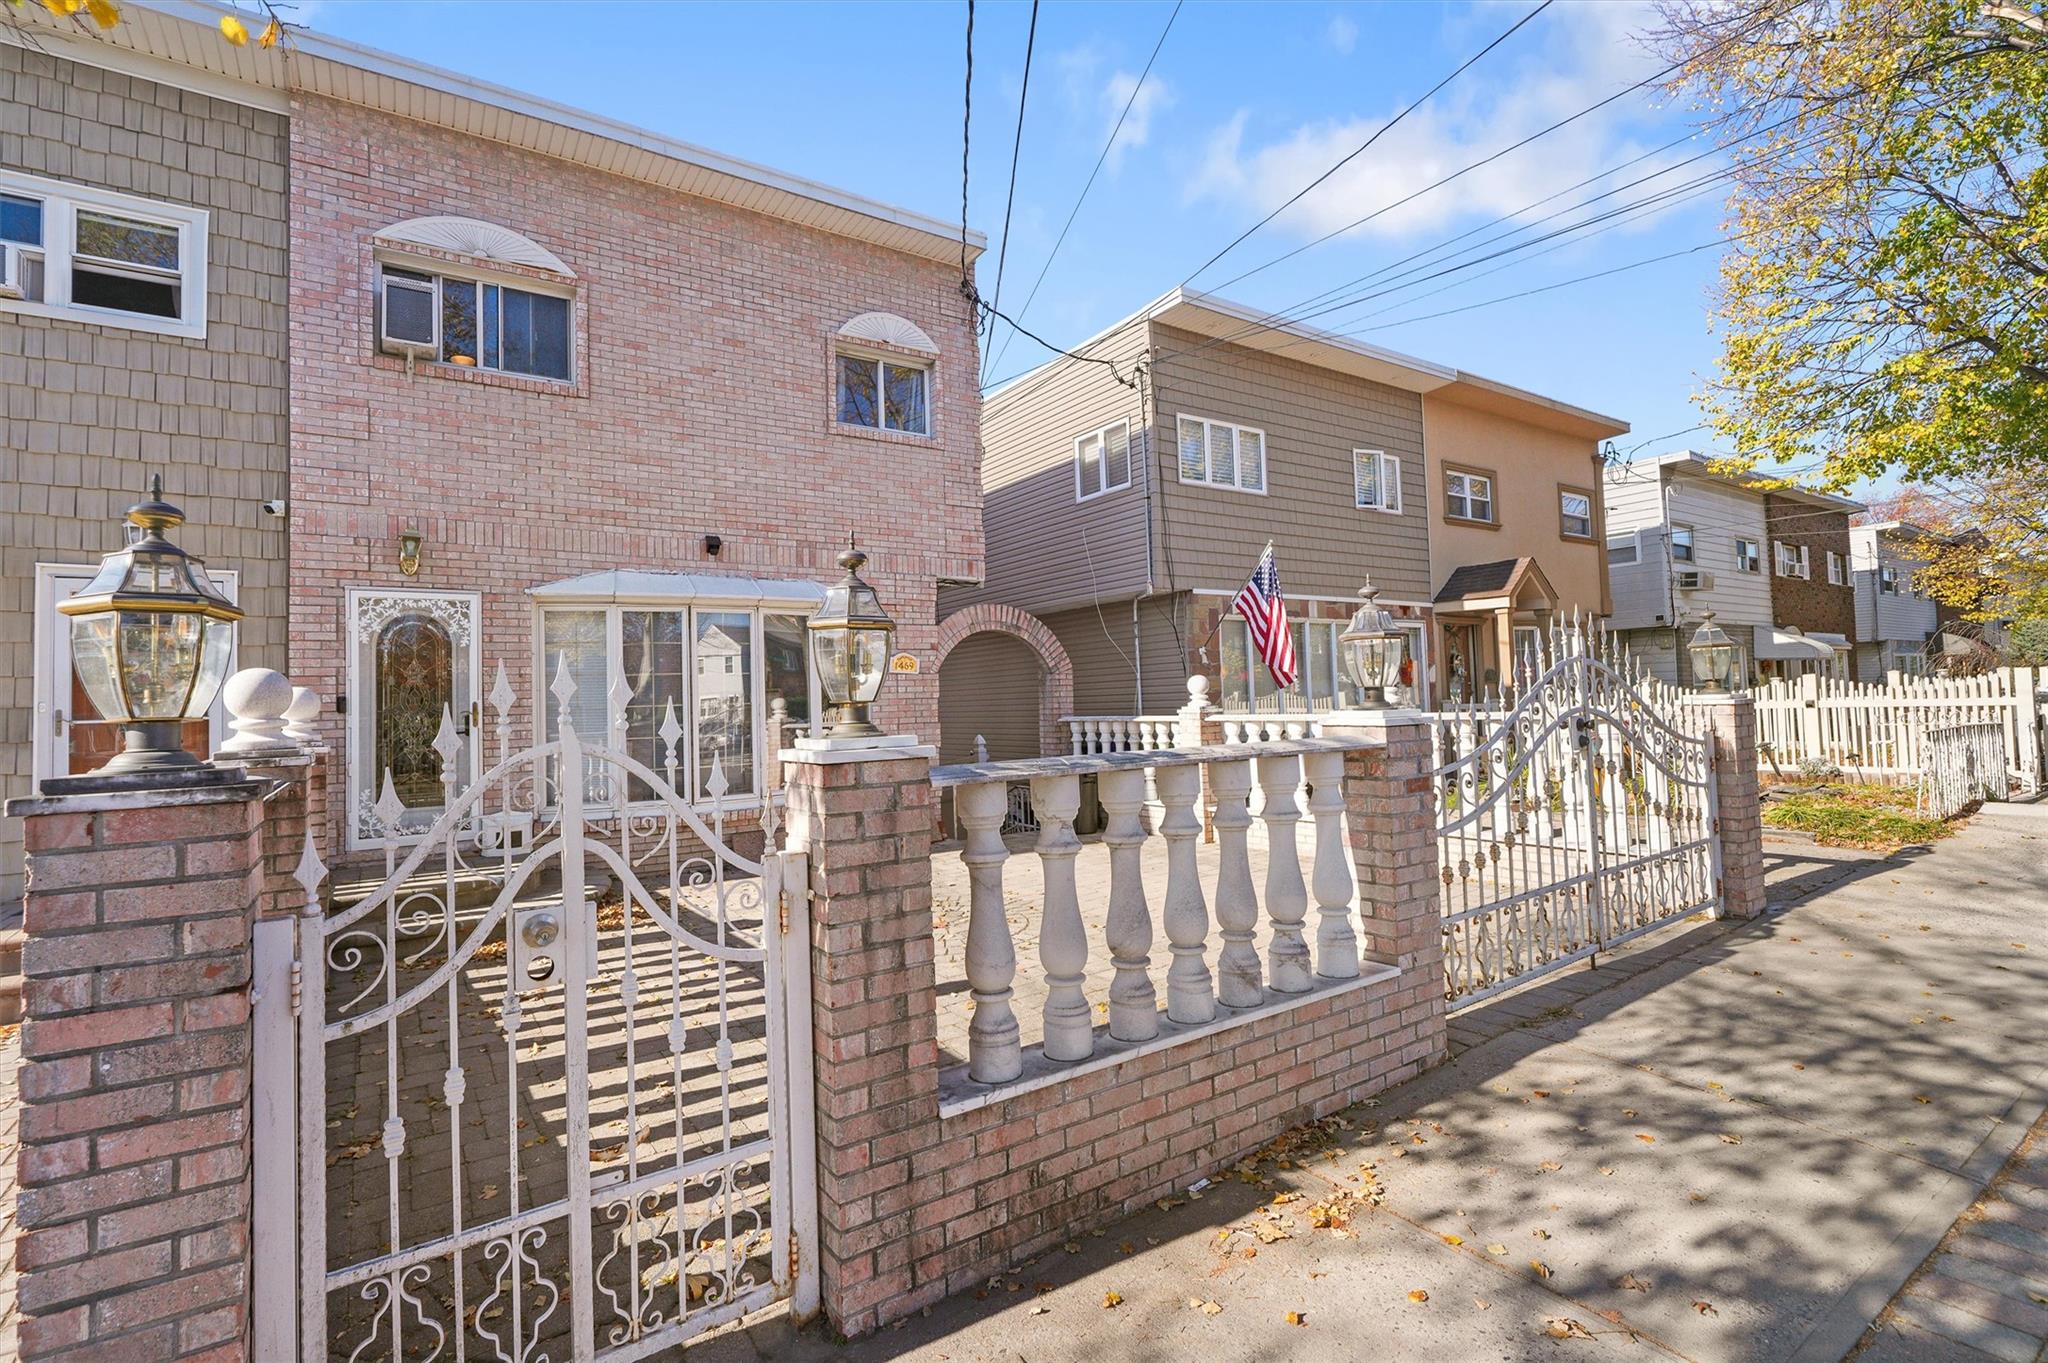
(870, 663)
(213, 667)
(725, 699)
(95, 666)
(159, 657)
(832, 664)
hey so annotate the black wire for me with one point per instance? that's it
(1110, 365)
(966, 131)
(1383, 129)
(1075, 212)
(1016, 148)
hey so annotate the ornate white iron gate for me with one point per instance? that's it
(1578, 816)
(554, 1073)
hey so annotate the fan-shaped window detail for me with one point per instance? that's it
(477, 239)
(886, 328)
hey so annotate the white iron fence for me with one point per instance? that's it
(1881, 732)
(1962, 763)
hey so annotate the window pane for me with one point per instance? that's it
(1292, 698)
(1237, 693)
(1321, 661)
(550, 335)
(490, 325)
(458, 321)
(1088, 466)
(652, 653)
(725, 699)
(579, 637)
(1365, 478)
(785, 654)
(1116, 457)
(1223, 454)
(21, 220)
(144, 297)
(904, 397)
(1251, 461)
(858, 401)
(1194, 457)
(127, 241)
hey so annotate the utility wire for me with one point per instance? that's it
(966, 133)
(1075, 212)
(1016, 147)
(1360, 149)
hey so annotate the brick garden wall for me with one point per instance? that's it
(702, 403)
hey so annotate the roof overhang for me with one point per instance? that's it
(1205, 314)
(626, 586)
(1469, 390)
(179, 43)
(1789, 644)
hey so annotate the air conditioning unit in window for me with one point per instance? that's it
(409, 322)
(12, 271)
(1692, 580)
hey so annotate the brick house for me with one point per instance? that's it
(1813, 600)
(558, 387)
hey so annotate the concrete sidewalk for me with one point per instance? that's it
(1736, 1142)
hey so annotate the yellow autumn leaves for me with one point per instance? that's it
(236, 32)
(106, 14)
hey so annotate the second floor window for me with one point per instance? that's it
(1219, 454)
(1835, 574)
(1468, 497)
(479, 324)
(1748, 557)
(1793, 560)
(1102, 461)
(1375, 480)
(1681, 544)
(1888, 580)
(1575, 513)
(96, 256)
(1621, 552)
(884, 395)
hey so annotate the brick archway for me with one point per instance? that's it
(1056, 689)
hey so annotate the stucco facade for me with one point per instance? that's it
(701, 402)
(93, 408)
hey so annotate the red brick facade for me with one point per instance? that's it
(701, 404)
(1811, 603)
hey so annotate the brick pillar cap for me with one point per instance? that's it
(1717, 698)
(827, 752)
(1371, 719)
(111, 801)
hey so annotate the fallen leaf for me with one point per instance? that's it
(1482, 1303)
(1454, 1240)
(1040, 1310)
(1540, 1233)
(1549, 1166)
(1542, 1269)
(1071, 1247)
(1606, 1171)
(1646, 1138)
(1922, 1098)
(1207, 1308)
(1418, 1295)
(1496, 1249)
(1629, 1282)
(1112, 1300)
(1705, 1308)
(1540, 1093)
(1730, 1138)
(1564, 1327)
(1296, 1318)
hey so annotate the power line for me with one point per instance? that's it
(1546, 288)
(966, 132)
(1382, 131)
(1016, 148)
(1075, 212)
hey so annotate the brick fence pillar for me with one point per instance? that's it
(865, 817)
(1731, 722)
(135, 1079)
(1391, 822)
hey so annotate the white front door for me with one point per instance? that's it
(412, 663)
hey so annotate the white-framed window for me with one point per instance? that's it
(1102, 461)
(1219, 454)
(1837, 573)
(1468, 496)
(92, 255)
(69, 737)
(484, 323)
(1794, 560)
(883, 392)
(1575, 513)
(1681, 544)
(719, 666)
(1749, 558)
(1376, 481)
(1888, 579)
(1622, 552)
(1319, 682)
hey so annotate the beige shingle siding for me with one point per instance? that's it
(1313, 419)
(990, 685)
(1046, 551)
(90, 411)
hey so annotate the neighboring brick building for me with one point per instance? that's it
(160, 350)
(1813, 600)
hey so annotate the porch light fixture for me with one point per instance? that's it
(851, 636)
(1713, 655)
(150, 641)
(409, 552)
(1372, 649)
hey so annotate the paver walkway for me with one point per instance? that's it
(1736, 1142)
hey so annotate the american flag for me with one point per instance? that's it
(1265, 617)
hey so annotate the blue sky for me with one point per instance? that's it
(1246, 104)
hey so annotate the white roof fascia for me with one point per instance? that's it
(627, 586)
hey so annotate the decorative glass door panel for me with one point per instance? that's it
(412, 667)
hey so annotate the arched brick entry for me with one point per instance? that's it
(1056, 691)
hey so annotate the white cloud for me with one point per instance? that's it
(1153, 97)
(1342, 34)
(1587, 53)
(1096, 101)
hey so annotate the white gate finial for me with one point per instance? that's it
(501, 697)
(310, 873)
(447, 745)
(389, 809)
(619, 696)
(671, 733)
(564, 688)
(716, 785)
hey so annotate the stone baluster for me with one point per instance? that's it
(1239, 982)
(1190, 994)
(1062, 940)
(994, 1055)
(1287, 962)
(1133, 1002)
(1075, 739)
(1336, 939)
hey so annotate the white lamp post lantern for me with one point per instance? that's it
(1713, 655)
(850, 637)
(150, 641)
(1372, 646)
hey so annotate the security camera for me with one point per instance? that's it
(275, 507)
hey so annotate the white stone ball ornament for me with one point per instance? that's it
(257, 698)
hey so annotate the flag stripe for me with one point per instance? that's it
(1264, 609)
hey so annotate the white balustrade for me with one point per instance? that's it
(994, 1055)
(1101, 735)
(1287, 959)
(1238, 977)
(1062, 939)
(1190, 993)
(1133, 1002)
(1336, 940)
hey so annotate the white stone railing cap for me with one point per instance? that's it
(1026, 769)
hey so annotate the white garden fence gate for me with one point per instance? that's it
(1579, 817)
(553, 1073)
(1881, 731)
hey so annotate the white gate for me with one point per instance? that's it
(554, 1073)
(1579, 816)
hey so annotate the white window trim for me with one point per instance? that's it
(1563, 515)
(925, 364)
(52, 644)
(1633, 542)
(1692, 544)
(1755, 562)
(1101, 436)
(1837, 570)
(1387, 481)
(1208, 423)
(61, 201)
(1492, 516)
(481, 275)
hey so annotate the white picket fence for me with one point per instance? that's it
(1881, 732)
(1965, 763)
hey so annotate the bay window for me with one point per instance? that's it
(1319, 681)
